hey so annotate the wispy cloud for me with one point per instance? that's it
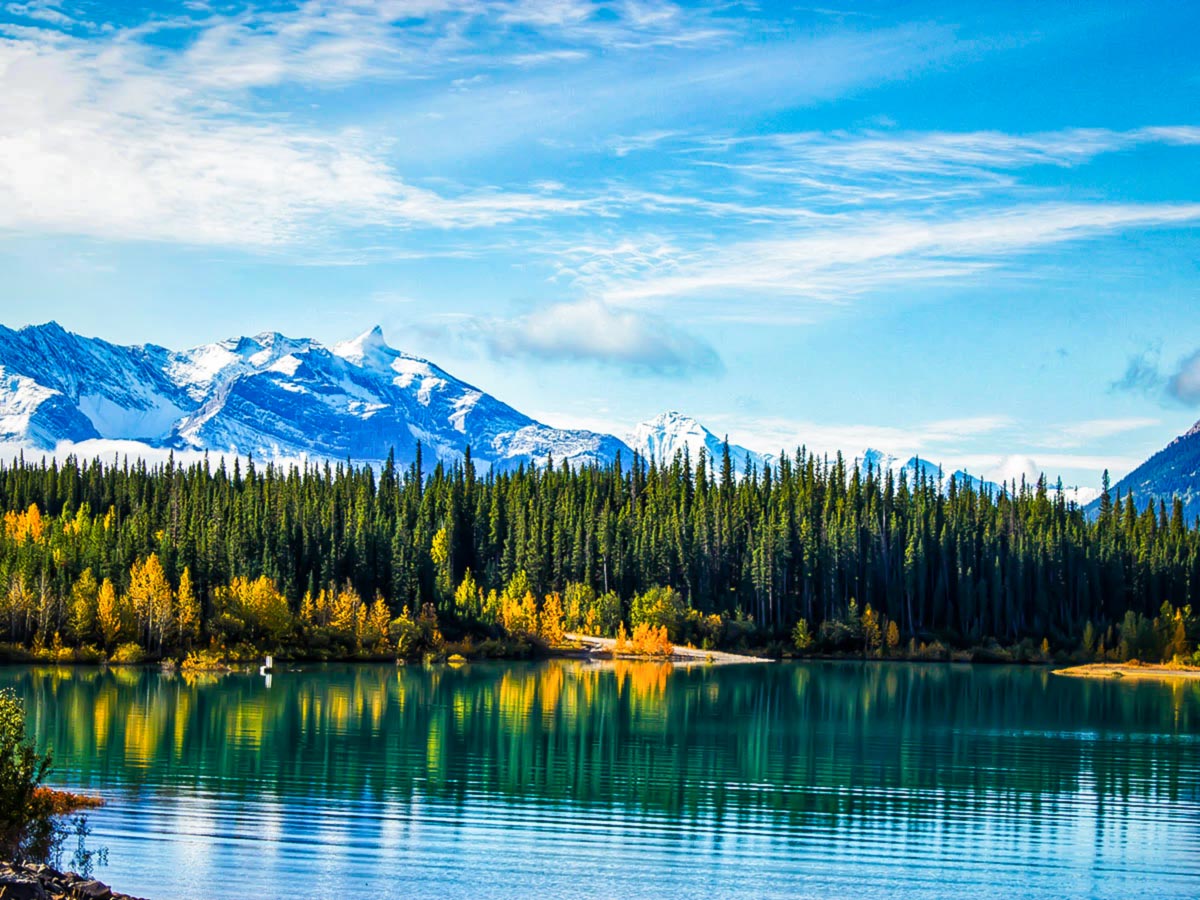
(112, 134)
(916, 165)
(941, 437)
(97, 137)
(590, 331)
(1145, 374)
(1082, 434)
(837, 261)
(1184, 383)
(1142, 375)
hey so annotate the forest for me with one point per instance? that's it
(125, 560)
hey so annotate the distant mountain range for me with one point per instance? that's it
(267, 395)
(290, 398)
(916, 466)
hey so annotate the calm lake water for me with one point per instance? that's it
(563, 779)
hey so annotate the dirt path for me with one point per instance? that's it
(690, 654)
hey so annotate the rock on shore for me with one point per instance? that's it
(38, 882)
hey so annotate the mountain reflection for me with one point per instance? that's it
(921, 743)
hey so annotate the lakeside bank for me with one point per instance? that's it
(41, 882)
(1139, 671)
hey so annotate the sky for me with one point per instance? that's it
(965, 231)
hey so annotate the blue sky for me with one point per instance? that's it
(968, 231)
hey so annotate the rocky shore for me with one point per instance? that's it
(37, 882)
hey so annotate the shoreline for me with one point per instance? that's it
(22, 880)
(1141, 672)
(592, 647)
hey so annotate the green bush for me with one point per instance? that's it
(28, 829)
(127, 655)
(659, 607)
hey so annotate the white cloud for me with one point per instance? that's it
(95, 139)
(588, 330)
(114, 136)
(833, 263)
(904, 159)
(1078, 434)
(944, 436)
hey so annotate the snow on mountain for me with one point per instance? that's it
(1172, 472)
(75, 388)
(269, 395)
(660, 438)
(914, 466)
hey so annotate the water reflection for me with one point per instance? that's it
(889, 777)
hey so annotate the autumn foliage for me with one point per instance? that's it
(646, 640)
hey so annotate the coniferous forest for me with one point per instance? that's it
(808, 554)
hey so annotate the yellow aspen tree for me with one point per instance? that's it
(622, 643)
(82, 614)
(893, 636)
(345, 614)
(872, 634)
(150, 595)
(378, 621)
(468, 598)
(308, 609)
(108, 614)
(267, 609)
(550, 622)
(187, 610)
(439, 552)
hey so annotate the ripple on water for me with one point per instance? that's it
(569, 781)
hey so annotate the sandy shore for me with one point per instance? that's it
(681, 654)
(1121, 670)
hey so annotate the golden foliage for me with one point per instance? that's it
(25, 526)
(187, 609)
(108, 614)
(151, 597)
(646, 640)
(550, 620)
(82, 612)
(893, 636)
(257, 605)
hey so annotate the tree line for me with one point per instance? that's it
(806, 551)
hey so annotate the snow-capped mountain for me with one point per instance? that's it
(915, 466)
(1172, 472)
(267, 395)
(660, 438)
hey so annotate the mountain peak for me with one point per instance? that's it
(271, 395)
(368, 349)
(669, 432)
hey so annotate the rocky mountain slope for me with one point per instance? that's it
(269, 395)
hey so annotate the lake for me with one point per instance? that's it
(568, 779)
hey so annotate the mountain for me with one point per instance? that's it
(660, 438)
(1172, 472)
(269, 395)
(915, 466)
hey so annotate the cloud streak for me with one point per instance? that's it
(590, 331)
(835, 262)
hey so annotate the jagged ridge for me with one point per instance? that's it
(267, 395)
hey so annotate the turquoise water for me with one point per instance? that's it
(562, 779)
